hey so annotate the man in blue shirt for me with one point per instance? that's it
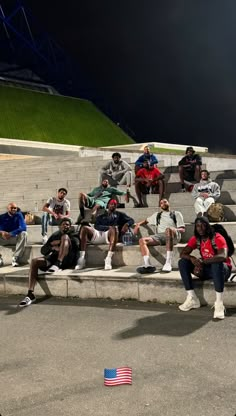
(13, 232)
(147, 155)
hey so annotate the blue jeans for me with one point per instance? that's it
(47, 219)
(219, 272)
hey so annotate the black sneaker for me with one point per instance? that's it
(146, 270)
(27, 301)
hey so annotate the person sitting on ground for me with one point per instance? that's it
(189, 167)
(214, 263)
(55, 209)
(170, 226)
(148, 179)
(108, 229)
(147, 155)
(116, 171)
(205, 193)
(13, 233)
(60, 252)
(97, 198)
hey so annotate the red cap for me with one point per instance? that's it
(112, 201)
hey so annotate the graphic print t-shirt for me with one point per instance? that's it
(207, 250)
(59, 207)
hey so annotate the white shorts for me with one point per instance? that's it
(99, 237)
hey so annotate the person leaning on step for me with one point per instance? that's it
(147, 155)
(108, 229)
(213, 263)
(170, 226)
(189, 167)
(60, 252)
(55, 209)
(97, 198)
(205, 193)
(13, 232)
(148, 180)
(116, 171)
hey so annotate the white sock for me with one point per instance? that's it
(82, 254)
(191, 293)
(110, 254)
(146, 260)
(219, 296)
(169, 255)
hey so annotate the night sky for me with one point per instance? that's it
(167, 68)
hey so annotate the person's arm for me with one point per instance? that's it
(21, 225)
(180, 225)
(198, 160)
(93, 192)
(186, 254)
(219, 257)
(153, 160)
(116, 191)
(139, 161)
(125, 220)
(195, 192)
(125, 167)
(106, 168)
(215, 191)
(139, 224)
(48, 208)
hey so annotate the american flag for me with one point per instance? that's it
(116, 376)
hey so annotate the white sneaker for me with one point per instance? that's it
(53, 269)
(15, 262)
(190, 303)
(108, 265)
(219, 312)
(167, 267)
(44, 239)
(80, 264)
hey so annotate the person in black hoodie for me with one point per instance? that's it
(189, 167)
(60, 252)
(108, 229)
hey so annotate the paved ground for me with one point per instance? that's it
(52, 357)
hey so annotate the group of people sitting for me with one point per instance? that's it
(66, 248)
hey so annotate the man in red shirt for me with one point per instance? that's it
(148, 179)
(214, 263)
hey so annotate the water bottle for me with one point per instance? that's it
(127, 238)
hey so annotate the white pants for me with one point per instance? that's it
(202, 204)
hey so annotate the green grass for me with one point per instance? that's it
(30, 115)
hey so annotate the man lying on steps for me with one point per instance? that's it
(60, 252)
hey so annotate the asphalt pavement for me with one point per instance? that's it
(53, 355)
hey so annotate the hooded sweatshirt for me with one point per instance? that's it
(208, 186)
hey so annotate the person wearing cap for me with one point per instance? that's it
(109, 228)
(147, 155)
(189, 167)
(116, 171)
(213, 263)
(59, 252)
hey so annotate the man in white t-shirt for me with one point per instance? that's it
(170, 225)
(55, 209)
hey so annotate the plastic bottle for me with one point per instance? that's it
(127, 238)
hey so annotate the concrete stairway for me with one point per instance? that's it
(30, 182)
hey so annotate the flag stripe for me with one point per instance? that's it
(116, 376)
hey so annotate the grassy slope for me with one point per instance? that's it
(30, 115)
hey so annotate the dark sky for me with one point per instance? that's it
(167, 67)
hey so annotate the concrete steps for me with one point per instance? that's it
(119, 283)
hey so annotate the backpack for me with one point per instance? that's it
(216, 212)
(172, 216)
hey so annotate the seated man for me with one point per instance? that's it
(117, 172)
(97, 198)
(13, 232)
(55, 209)
(189, 167)
(205, 193)
(147, 155)
(148, 179)
(60, 252)
(108, 229)
(214, 263)
(170, 226)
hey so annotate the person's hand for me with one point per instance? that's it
(136, 229)
(124, 229)
(55, 216)
(204, 195)
(5, 235)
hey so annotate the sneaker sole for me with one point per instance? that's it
(28, 304)
(146, 270)
(187, 310)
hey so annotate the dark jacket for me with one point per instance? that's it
(13, 224)
(189, 162)
(151, 157)
(104, 221)
(46, 249)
